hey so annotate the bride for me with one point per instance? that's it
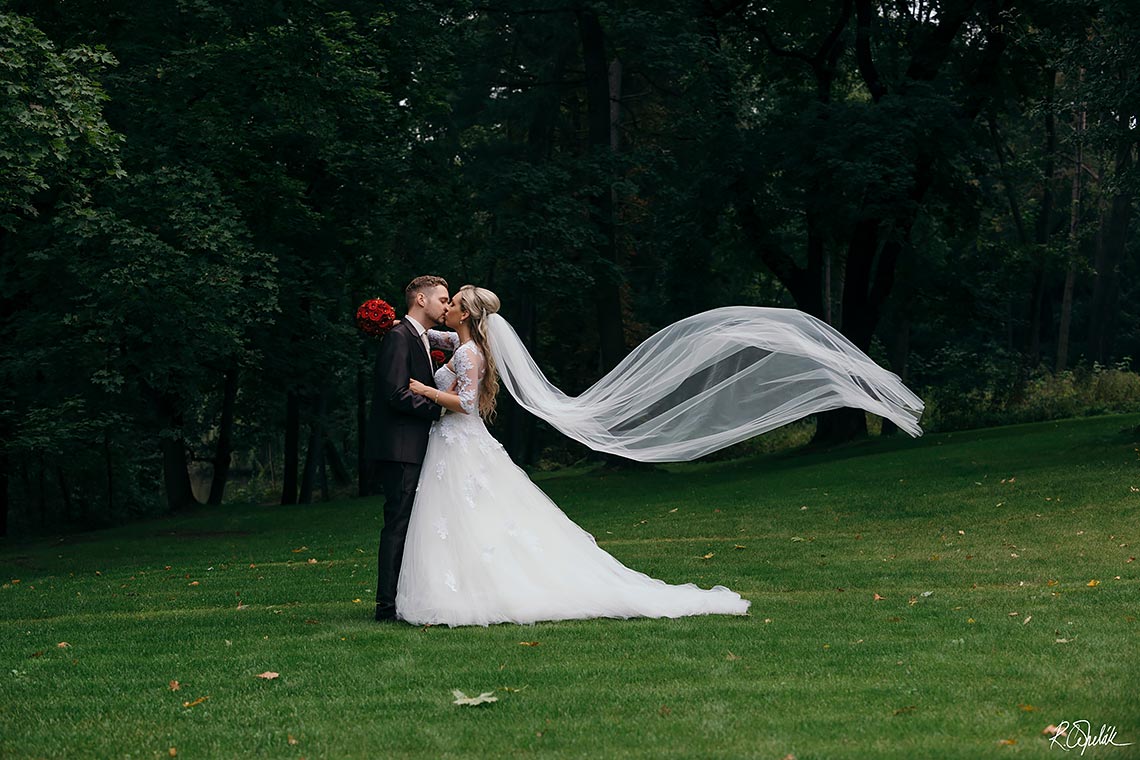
(485, 545)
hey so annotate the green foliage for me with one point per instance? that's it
(992, 397)
(54, 136)
(195, 191)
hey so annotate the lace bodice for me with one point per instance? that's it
(463, 375)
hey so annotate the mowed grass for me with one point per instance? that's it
(982, 546)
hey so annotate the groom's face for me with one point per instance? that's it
(437, 303)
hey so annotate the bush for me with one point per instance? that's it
(1043, 395)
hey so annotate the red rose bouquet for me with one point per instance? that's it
(375, 317)
(438, 358)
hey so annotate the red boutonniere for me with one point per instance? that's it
(438, 358)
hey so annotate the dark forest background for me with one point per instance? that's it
(195, 195)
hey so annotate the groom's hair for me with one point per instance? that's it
(423, 282)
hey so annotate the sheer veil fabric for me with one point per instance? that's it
(707, 382)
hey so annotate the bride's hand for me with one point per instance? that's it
(418, 388)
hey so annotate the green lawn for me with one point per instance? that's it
(981, 544)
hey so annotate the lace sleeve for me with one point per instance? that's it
(468, 372)
(442, 339)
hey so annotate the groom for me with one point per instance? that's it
(398, 429)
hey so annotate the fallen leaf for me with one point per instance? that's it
(908, 708)
(63, 645)
(1093, 583)
(879, 598)
(173, 752)
(1015, 614)
(1051, 730)
(303, 548)
(1050, 583)
(356, 601)
(290, 739)
(710, 555)
(312, 560)
(196, 702)
(528, 643)
(192, 583)
(1007, 742)
(268, 675)
(242, 606)
(664, 711)
(971, 621)
(175, 686)
(674, 509)
(511, 688)
(1028, 708)
(731, 657)
(463, 699)
(738, 546)
(1027, 619)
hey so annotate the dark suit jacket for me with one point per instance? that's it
(400, 420)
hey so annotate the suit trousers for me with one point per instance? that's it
(399, 481)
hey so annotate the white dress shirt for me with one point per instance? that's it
(422, 332)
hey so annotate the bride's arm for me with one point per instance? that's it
(468, 368)
(443, 339)
(449, 401)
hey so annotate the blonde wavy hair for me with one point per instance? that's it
(478, 303)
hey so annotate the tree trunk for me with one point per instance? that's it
(313, 450)
(362, 421)
(175, 473)
(519, 423)
(607, 275)
(1074, 251)
(4, 499)
(65, 494)
(332, 456)
(224, 451)
(899, 353)
(291, 454)
(110, 467)
(1111, 244)
(176, 476)
(314, 456)
(1044, 227)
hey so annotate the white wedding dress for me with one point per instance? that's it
(485, 545)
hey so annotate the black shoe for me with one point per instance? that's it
(385, 614)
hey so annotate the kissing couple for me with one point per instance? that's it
(468, 539)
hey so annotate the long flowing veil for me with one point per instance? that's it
(707, 382)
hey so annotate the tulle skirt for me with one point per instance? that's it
(485, 545)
